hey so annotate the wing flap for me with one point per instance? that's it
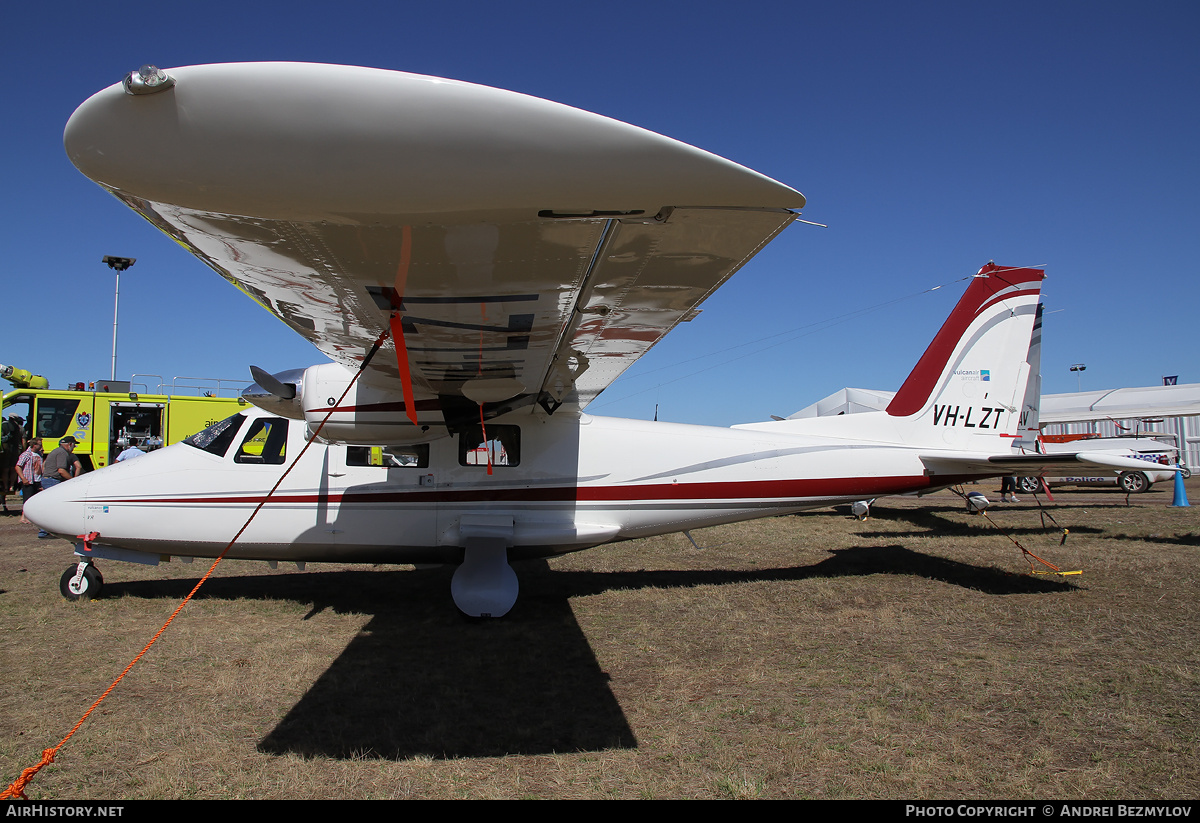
(651, 276)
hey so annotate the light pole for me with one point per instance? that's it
(117, 264)
(1077, 368)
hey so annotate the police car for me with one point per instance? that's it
(1153, 450)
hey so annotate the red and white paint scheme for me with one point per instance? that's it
(490, 262)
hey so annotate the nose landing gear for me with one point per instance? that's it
(82, 581)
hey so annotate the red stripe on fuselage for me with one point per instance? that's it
(693, 492)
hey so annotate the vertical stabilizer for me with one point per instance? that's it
(969, 387)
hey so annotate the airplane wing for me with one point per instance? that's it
(520, 250)
(1035, 464)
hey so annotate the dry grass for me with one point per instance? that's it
(806, 656)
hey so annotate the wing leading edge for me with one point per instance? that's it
(531, 252)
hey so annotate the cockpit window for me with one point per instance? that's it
(265, 442)
(217, 437)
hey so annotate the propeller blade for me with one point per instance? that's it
(284, 391)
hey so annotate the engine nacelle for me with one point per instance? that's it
(367, 416)
(277, 393)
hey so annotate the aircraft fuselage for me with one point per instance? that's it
(565, 483)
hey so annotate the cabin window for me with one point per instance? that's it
(54, 416)
(392, 457)
(217, 437)
(265, 442)
(502, 447)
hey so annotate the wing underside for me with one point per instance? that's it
(523, 251)
(551, 309)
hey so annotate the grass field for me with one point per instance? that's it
(906, 656)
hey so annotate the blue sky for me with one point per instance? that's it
(931, 137)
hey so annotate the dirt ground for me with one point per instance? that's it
(910, 655)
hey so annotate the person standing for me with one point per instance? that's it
(12, 443)
(29, 469)
(131, 452)
(1008, 490)
(60, 465)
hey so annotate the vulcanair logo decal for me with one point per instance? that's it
(982, 375)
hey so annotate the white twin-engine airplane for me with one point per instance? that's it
(486, 263)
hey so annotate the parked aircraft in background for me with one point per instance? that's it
(489, 263)
(1158, 455)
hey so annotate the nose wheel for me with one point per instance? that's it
(82, 581)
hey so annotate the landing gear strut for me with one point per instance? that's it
(82, 581)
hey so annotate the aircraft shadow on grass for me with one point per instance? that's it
(933, 521)
(419, 680)
(1176, 540)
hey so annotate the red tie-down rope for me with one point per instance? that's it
(397, 325)
(410, 403)
(486, 447)
(17, 789)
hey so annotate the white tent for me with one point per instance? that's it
(1110, 413)
(1122, 404)
(846, 401)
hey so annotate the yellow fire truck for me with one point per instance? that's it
(108, 416)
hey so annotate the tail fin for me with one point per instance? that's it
(971, 382)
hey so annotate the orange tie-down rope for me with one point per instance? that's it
(1028, 554)
(17, 789)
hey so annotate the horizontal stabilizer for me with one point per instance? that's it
(1034, 464)
(1113, 461)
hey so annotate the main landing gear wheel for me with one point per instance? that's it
(76, 586)
(1133, 482)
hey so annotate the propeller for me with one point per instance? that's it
(272, 385)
